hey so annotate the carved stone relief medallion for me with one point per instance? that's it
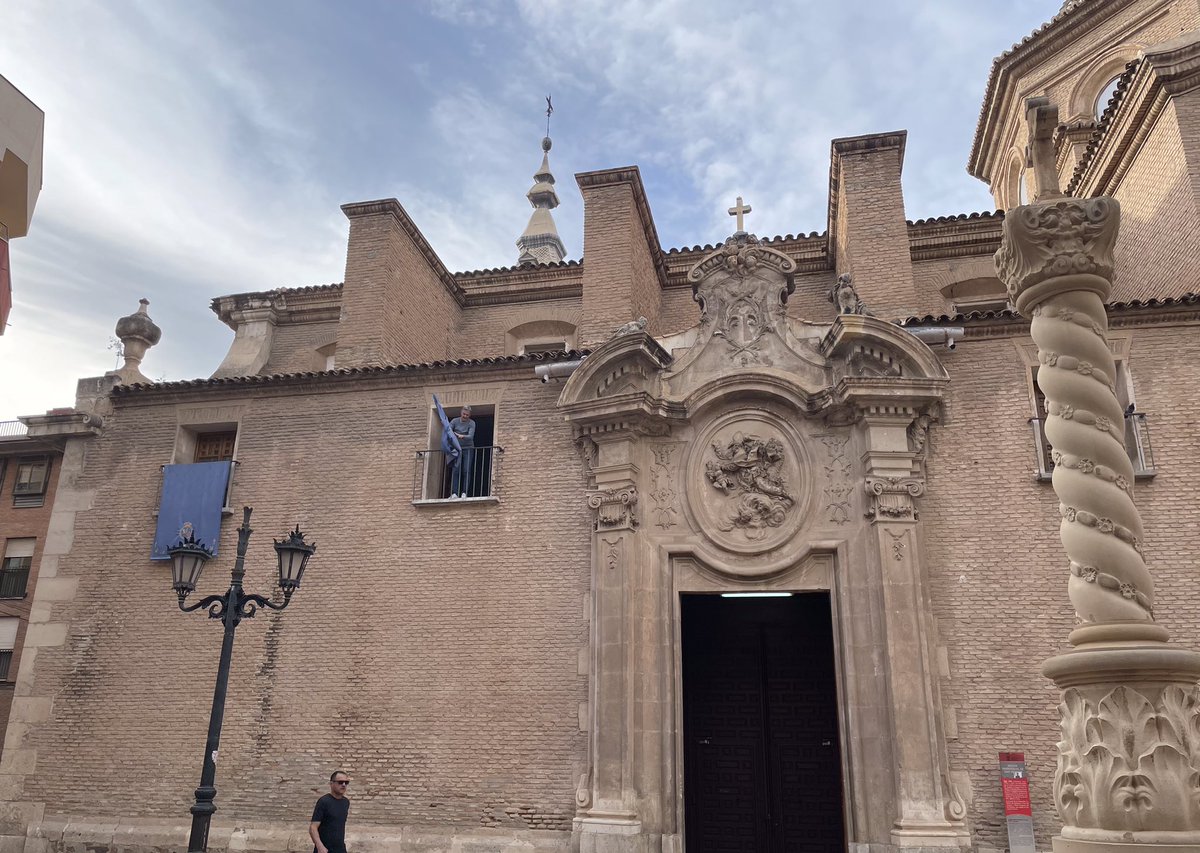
(746, 482)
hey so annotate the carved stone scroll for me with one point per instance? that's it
(614, 509)
(892, 497)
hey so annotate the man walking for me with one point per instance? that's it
(328, 826)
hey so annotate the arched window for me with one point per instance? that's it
(1110, 89)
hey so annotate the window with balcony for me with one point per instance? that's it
(14, 571)
(435, 478)
(30, 482)
(196, 488)
(1137, 430)
(8, 642)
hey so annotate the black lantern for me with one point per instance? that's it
(293, 553)
(187, 562)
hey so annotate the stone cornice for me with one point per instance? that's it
(523, 284)
(1007, 69)
(391, 206)
(631, 175)
(1180, 310)
(55, 429)
(955, 237)
(288, 305)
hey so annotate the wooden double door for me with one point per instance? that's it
(762, 761)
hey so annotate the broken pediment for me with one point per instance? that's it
(742, 289)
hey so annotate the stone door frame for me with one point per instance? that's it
(817, 568)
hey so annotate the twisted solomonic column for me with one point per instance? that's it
(1128, 772)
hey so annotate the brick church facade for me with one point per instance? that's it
(759, 541)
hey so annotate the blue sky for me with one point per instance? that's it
(200, 149)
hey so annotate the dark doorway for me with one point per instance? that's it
(762, 762)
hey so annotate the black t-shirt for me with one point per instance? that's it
(331, 813)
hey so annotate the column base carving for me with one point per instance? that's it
(612, 834)
(1078, 845)
(915, 836)
(1129, 748)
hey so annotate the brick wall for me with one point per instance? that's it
(1002, 608)
(294, 347)
(481, 331)
(619, 280)
(395, 305)
(443, 679)
(1160, 223)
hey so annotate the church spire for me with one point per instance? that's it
(540, 243)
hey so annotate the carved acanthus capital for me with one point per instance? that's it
(892, 497)
(1127, 765)
(614, 509)
(1065, 236)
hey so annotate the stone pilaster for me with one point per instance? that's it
(928, 812)
(606, 800)
(1129, 751)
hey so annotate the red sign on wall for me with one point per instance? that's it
(1014, 786)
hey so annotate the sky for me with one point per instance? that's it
(194, 149)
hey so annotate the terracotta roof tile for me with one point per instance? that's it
(1009, 314)
(959, 217)
(380, 370)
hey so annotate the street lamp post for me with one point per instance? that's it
(187, 562)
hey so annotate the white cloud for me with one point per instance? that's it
(200, 149)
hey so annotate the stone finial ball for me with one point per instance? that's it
(546, 143)
(139, 325)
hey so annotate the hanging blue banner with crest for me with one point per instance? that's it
(192, 499)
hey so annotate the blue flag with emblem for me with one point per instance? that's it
(192, 498)
(450, 445)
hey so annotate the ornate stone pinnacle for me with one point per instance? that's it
(137, 333)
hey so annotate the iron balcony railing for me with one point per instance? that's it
(13, 583)
(13, 429)
(1137, 446)
(5, 663)
(477, 476)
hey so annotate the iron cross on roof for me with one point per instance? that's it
(739, 210)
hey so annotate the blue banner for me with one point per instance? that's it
(450, 445)
(192, 498)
